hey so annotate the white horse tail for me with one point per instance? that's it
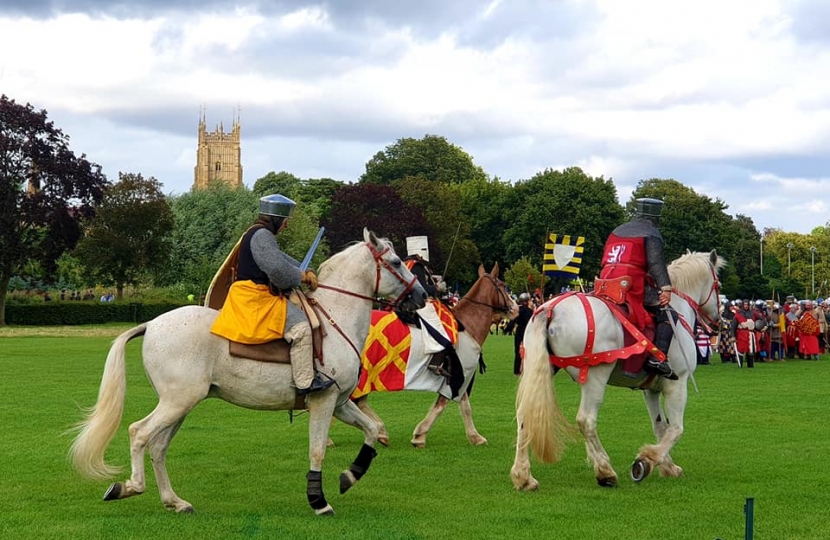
(102, 421)
(544, 427)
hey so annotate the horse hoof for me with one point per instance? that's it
(186, 510)
(325, 511)
(530, 485)
(384, 441)
(640, 469)
(347, 480)
(610, 482)
(114, 492)
(418, 444)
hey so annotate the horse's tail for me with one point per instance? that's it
(545, 428)
(98, 428)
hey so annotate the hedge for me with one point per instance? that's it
(73, 313)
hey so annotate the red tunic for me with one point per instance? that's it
(808, 328)
(627, 257)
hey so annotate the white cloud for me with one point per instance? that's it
(696, 91)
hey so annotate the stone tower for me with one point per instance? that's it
(218, 155)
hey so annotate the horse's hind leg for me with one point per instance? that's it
(155, 430)
(466, 410)
(419, 436)
(158, 453)
(520, 472)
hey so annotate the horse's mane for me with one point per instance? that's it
(690, 270)
(338, 259)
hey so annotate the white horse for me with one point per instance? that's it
(486, 301)
(541, 424)
(185, 364)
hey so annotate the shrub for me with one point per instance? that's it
(75, 313)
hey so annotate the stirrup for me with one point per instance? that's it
(439, 370)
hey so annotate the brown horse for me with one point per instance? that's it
(486, 302)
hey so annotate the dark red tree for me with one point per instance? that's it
(380, 208)
(45, 190)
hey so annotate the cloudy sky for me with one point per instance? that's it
(730, 97)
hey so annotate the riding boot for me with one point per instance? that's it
(662, 339)
(302, 360)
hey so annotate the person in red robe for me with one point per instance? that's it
(808, 329)
(745, 335)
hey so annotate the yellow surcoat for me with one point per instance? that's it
(251, 314)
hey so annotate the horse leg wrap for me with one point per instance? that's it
(316, 499)
(364, 459)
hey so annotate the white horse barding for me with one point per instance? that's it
(186, 364)
(542, 426)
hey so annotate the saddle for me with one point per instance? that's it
(614, 289)
(278, 350)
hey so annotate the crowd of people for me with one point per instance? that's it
(762, 331)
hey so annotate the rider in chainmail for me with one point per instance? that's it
(635, 249)
(265, 276)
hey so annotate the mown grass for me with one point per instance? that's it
(749, 433)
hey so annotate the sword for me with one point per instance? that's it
(311, 250)
(671, 312)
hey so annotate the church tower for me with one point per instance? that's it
(218, 155)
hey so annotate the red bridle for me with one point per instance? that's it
(379, 262)
(705, 320)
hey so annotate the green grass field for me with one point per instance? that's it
(749, 433)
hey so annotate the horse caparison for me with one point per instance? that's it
(486, 301)
(186, 364)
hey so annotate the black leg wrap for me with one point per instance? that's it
(316, 499)
(364, 459)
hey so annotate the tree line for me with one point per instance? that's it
(62, 221)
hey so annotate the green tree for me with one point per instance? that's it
(486, 204)
(524, 276)
(282, 182)
(689, 220)
(39, 224)
(450, 246)
(207, 224)
(129, 235)
(432, 158)
(564, 202)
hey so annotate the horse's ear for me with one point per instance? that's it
(495, 271)
(481, 270)
(713, 257)
(688, 251)
(369, 237)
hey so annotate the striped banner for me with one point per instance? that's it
(563, 255)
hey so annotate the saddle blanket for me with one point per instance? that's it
(395, 357)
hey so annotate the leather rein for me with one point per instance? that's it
(504, 307)
(379, 262)
(708, 322)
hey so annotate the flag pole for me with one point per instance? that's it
(544, 246)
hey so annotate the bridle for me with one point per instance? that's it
(709, 324)
(379, 262)
(505, 307)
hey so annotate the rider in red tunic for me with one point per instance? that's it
(635, 249)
